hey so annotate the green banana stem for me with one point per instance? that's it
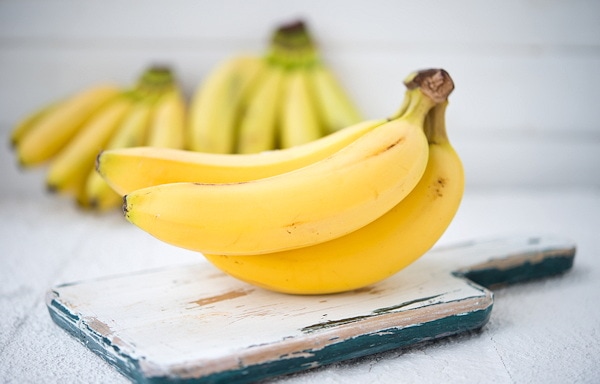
(418, 107)
(403, 107)
(292, 46)
(153, 83)
(437, 85)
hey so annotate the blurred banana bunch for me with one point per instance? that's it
(68, 134)
(284, 98)
(249, 103)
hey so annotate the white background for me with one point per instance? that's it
(524, 112)
(524, 118)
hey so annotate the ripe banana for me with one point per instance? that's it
(376, 251)
(131, 132)
(98, 195)
(216, 104)
(55, 127)
(335, 107)
(71, 166)
(259, 119)
(27, 124)
(300, 122)
(168, 123)
(310, 205)
(129, 169)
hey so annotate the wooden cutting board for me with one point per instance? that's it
(195, 324)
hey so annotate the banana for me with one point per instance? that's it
(168, 123)
(98, 195)
(70, 167)
(334, 105)
(258, 121)
(300, 122)
(27, 124)
(216, 103)
(376, 251)
(311, 205)
(129, 169)
(54, 129)
(132, 131)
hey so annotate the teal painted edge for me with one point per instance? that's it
(360, 346)
(494, 277)
(95, 342)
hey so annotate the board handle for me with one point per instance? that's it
(498, 262)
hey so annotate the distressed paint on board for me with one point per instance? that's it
(195, 324)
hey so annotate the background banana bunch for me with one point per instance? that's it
(334, 214)
(248, 104)
(69, 134)
(286, 97)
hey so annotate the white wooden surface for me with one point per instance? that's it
(542, 332)
(525, 71)
(524, 117)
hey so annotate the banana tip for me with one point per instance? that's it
(124, 206)
(97, 162)
(51, 188)
(93, 203)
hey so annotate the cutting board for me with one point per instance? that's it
(195, 324)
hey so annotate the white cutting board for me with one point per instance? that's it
(195, 324)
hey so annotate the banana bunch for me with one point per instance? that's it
(68, 134)
(287, 97)
(335, 214)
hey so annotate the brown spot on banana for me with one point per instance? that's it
(392, 145)
(439, 185)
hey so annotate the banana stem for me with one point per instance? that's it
(435, 83)
(419, 106)
(153, 83)
(292, 46)
(403, 108)
(435, 124)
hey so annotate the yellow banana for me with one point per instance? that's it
(334, 105)
(376, 251)
(132, 131)
(51, 133)
(259, 119)
(216, 103)
(98, 195)
(71, 166)
(27, 124)
(300, 122)
(310, 205)
(168, 123)
(129, 169)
